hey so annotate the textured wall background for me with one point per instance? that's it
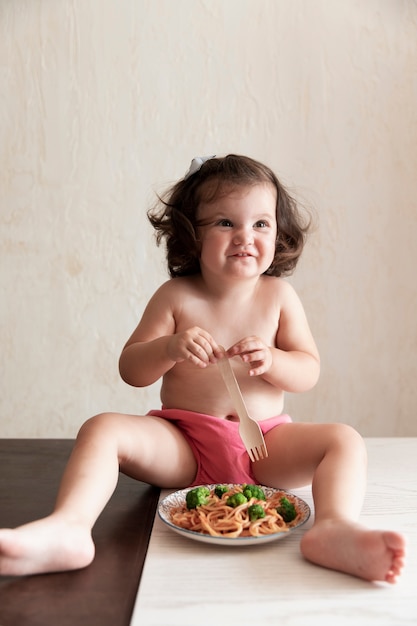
(104, 102)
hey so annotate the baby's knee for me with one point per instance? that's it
(347, 437)
(98, 424)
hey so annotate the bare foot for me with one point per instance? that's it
(353, 549)
(47, 545)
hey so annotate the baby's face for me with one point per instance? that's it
(238, 231)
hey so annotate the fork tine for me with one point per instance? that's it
(263, 452)
(258, 453)
(251, 454)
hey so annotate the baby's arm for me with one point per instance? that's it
(293, 364)
(155, 347)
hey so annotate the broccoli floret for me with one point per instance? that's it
(196, 497)
(286, 510)
(236, 499)
(253, 491)
(219, 490)
(255, 511)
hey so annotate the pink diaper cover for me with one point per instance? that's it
(219, 451)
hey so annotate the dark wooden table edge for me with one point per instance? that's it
(102, 594)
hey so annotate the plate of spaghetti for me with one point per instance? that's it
(234, 515)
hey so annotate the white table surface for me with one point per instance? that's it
(186, 583)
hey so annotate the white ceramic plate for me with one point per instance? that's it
(178, 499)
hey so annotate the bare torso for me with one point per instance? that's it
(227, 320)
(203, 391)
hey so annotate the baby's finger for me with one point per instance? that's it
(244, 346)
(254, 357)
(257, 369)
(237, 349)
(213, 351)
(216, 352)
(205, 348)
(199, 353)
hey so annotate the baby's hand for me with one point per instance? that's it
(255, 352)
(195, 345)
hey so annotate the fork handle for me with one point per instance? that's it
(230, 381)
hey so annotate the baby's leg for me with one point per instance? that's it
(147, 448)
(333, 458)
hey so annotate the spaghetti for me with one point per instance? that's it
(218, 519)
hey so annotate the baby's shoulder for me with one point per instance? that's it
(175, 288)
(280, 293)
(277, 286)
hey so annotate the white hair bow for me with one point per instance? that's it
(196, 164)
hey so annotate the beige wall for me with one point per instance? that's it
(103, 102)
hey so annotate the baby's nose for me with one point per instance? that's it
(243, 236)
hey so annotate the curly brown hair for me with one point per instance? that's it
(175, 216)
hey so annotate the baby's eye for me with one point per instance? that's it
(262, 224)
(225, 223)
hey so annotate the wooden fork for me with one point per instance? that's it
(249, 429)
